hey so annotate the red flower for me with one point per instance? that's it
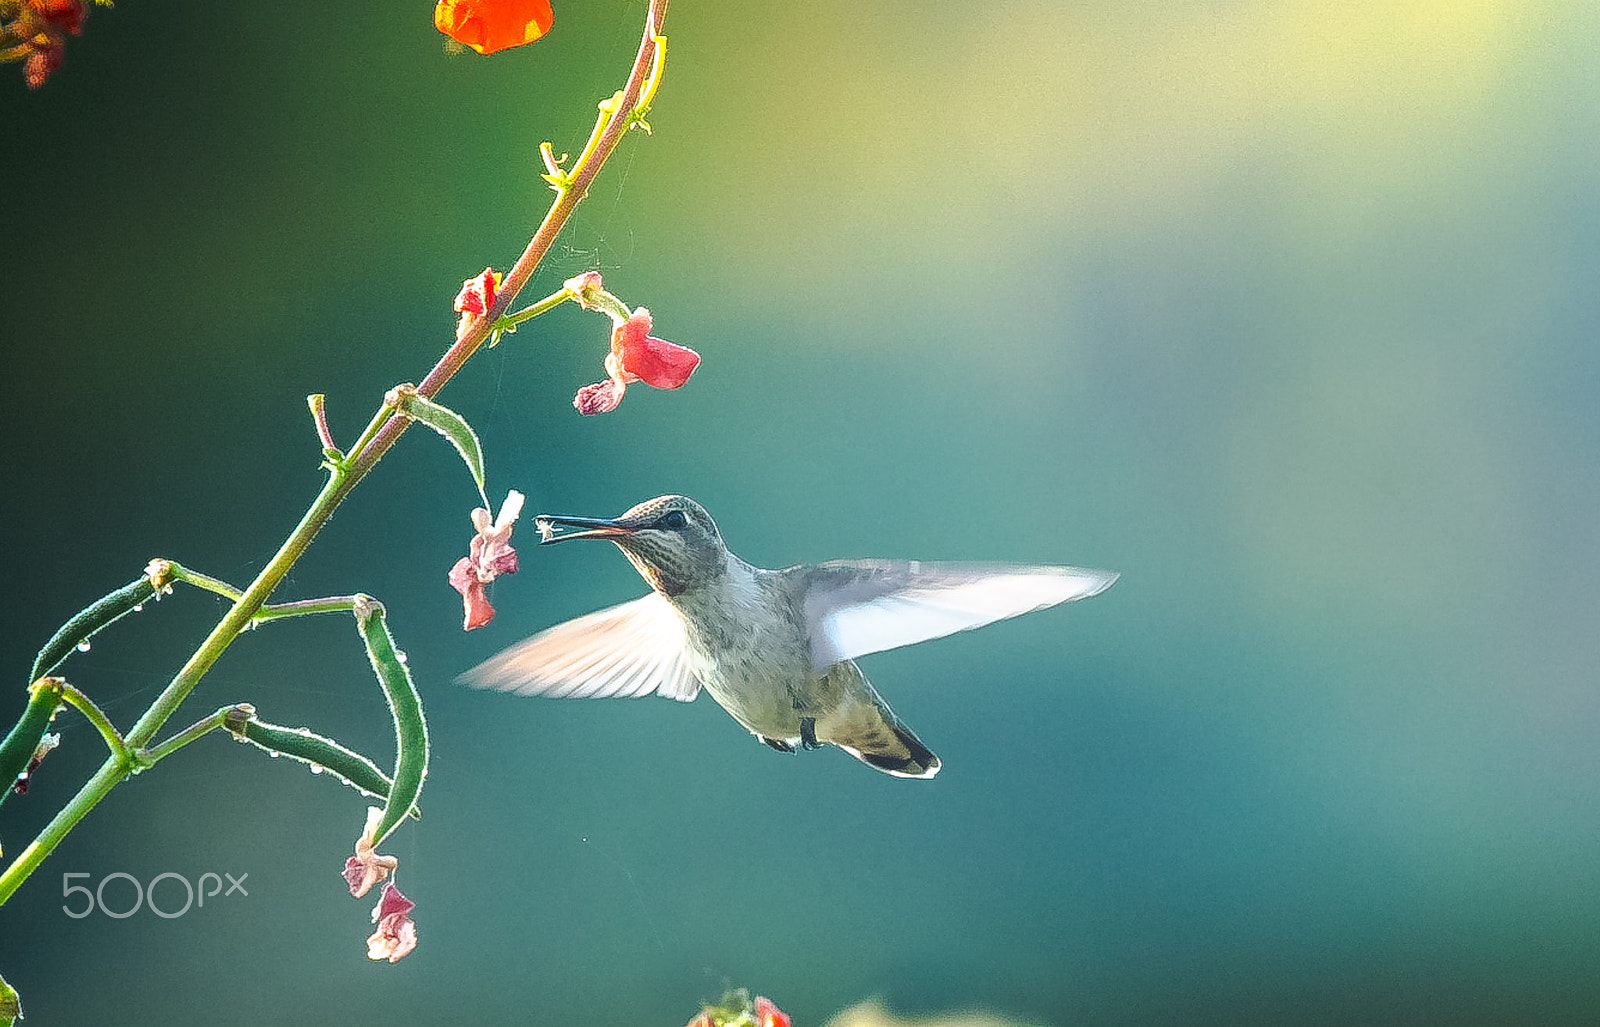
(489, 556)
(42, 27)
(397, 932)
(475, 299)
(769, 1015)
(66, 15)
(490, 25)
(636, 356)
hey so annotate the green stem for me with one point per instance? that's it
(166, 704)
(381, 434)
(305, 608)
(271, 611)
(550, 302)
(85, 705)
(199, 729)
(93, 790)
(383, 417)
(245, 607)
(203, 581)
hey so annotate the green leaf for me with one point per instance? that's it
(410, 729)
(443, 420)
(87, 621)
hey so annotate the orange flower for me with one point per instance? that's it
(36, 31)
(490, 25)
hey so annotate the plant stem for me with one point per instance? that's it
(305, 607)
(566, 201)
(93, 790)
(85, 705)
(381, 434)
(199, 729)
(382, 417)
(550, 302)
(271, 611)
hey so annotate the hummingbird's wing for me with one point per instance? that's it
(629, 650)
(855, 607)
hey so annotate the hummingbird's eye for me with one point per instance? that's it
(674, 519)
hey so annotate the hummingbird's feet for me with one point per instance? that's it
(808, 737)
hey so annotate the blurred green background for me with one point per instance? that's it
(1285, 310)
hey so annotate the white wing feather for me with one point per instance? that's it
(855, 607)
(629, 650)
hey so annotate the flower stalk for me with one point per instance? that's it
(86, 706)
(250, 606)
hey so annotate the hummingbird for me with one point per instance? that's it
(775, 648)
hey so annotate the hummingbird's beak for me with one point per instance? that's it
(550, 528)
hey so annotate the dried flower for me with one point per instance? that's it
(367, 867)
(636, 356)
(489, 556)
(599, 398)
(397, 932)
(490, 25)
(40, 751)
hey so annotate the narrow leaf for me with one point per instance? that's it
(87, 621)
(443, 420)
(410, 729)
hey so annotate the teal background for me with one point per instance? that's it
(1286, 311)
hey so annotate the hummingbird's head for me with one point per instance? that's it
(670, 540)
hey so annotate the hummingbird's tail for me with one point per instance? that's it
(864, 726)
